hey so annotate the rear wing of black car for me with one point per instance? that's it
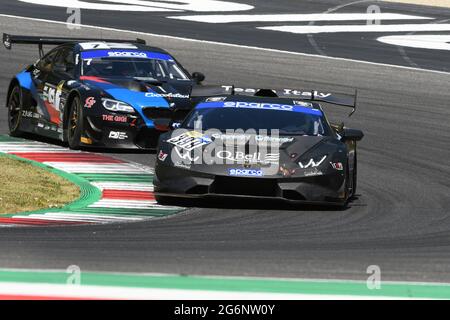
(9, 40)
(343, 100)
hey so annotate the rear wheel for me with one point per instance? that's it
(15, 112)
(74, 124)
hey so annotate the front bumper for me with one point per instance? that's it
(177, 182)
(123, 131)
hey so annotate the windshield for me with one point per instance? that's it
(287, 122)
(141, 68)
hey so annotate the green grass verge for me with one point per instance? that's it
(25, 187)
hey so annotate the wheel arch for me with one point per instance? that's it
(70, 97)
(14, 82)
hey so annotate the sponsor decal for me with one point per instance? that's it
(52, 95)
(87, 55)
(89, 102)
(216, 99)
(259, 106)
(182, 165)
(288, 92)
(246, 172)
(256, 105)
(85, 140)
(190, 140)
(36, 73)
(162, 156)
(106, 46)
(30, 114)
(255, 158)
(244, 138)
(112, 118)
(128, 54)
(311, 163)
(117, 135)
(166, 95)
(186, 156)
(312, 173)
(303, 104)
(337, 166)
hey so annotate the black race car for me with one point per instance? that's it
(262, 144)
(100, 93)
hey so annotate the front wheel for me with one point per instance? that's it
(74, 124)
(15, 112)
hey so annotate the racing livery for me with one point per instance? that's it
(100, 93)
(255, 143)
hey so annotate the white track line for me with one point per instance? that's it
(86, 167)
(216, 18)
(360, 28)
(148, 6)
(228, 44)
(126, 204)
(111, 292)
(428, 41)
(126, 186)
(94, 216)
(130, 204)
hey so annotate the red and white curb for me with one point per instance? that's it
(126, 188)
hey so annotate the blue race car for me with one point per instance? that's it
(100, 93)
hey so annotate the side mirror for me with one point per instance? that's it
(198, 77)
(163, 125)
(352, 135)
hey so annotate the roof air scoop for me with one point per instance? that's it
(266, 93)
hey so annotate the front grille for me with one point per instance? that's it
(164, 113)
(147, 138)
(246, 187)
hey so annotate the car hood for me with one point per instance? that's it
(141, 94)
(252, 152)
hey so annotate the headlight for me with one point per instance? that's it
(313, 162)
(114, 105)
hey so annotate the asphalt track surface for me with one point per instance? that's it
(359, 46)
(400, 221)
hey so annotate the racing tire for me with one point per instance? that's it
(74, 124)
(15, 112)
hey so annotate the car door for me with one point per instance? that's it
(38, 110)
(55, 91)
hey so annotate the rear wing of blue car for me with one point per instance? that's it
(9, 40)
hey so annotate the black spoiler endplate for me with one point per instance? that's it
(342, 100)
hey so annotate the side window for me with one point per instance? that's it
(46, 63)
(65, 62)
